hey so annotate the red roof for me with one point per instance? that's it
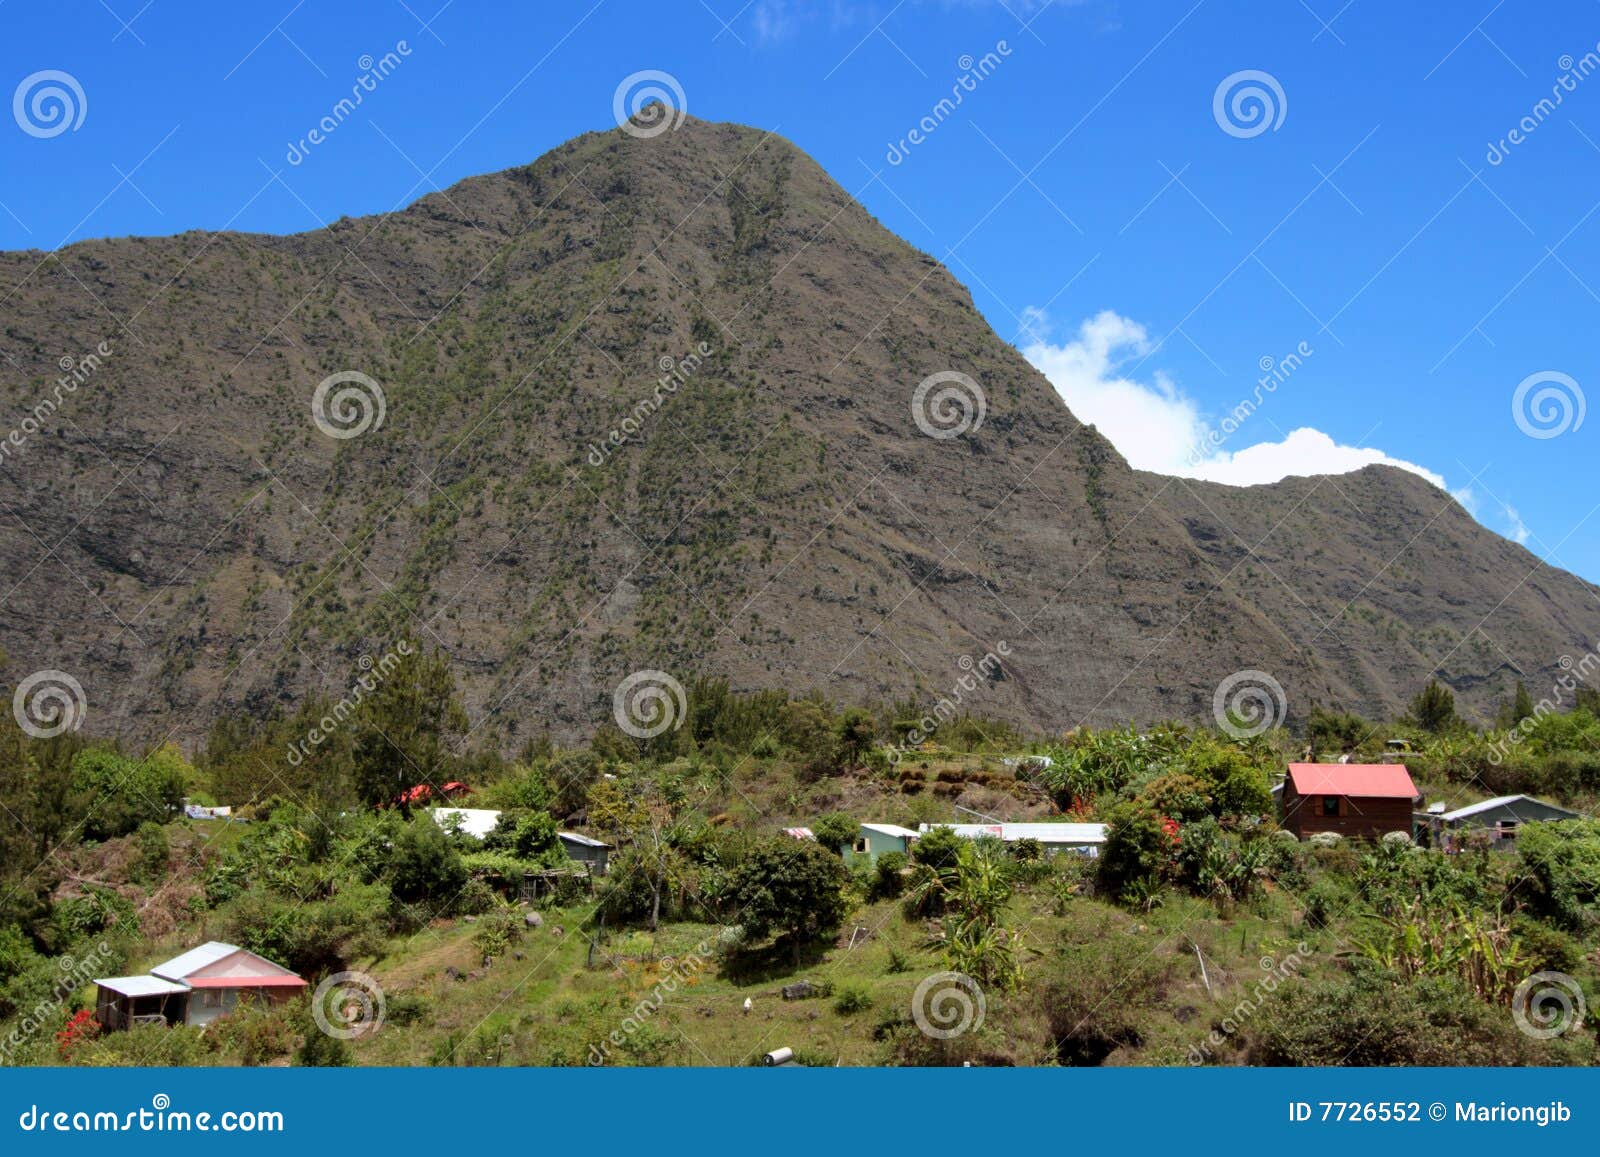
(290, 981)
(1364, 780)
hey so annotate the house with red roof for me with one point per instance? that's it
(1356, 800)
(196, 988)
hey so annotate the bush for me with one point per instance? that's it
(1369, 1021)
(151, 840)
(425, 868)
(888, 880)
(851, 999)
(116, 794)
(1137, 851)
(529, 836)
(320, 936)
(835, 831)
(319, 1050)
(938, 848)
(1563, 865)
(791, 888)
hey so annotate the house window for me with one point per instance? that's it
(861, 845)
(1330, 805)
(210, 998)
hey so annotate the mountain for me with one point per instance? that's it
(182, 537)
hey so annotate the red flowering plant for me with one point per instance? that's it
(81, 1026)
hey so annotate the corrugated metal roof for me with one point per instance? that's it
(1045, 833)
(586, 841)
(287, 980)
(142, 986)
(894, 830)
(1362, 780)
(195, 959)
(1473, 809)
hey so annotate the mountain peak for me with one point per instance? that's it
(666, 398)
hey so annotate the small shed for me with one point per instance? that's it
(1354, 800)
(124, 1001)
(874, 840)
(592, 853)
(1500, 817)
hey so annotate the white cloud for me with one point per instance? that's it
(1157, 427)
(1516, 530)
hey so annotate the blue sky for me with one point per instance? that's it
(1147, 243)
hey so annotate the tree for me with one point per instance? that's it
(642, 812)
(939, 848)
(425, 866)
(1337, 730)
(1514, 711)
(406, 726)
(1434, 709)
(530, 836)
(855, 735)
(791, 888)
(116, 794)
(1137, 852)
(835, 831)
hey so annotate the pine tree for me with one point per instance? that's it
(1434, 709)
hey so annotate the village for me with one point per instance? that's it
(1317, 804)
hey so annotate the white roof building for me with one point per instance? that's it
(475, 821)
(1061, 835)
(1512, 808)
(142, 986)
(894, 830)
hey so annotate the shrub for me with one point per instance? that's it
(117, 794)
(425, 868)
(851, 999)
(1368, 1021)
(151, 841)
(888, 880)
(1563, 865)
(1137, 851)
(938, 848)
(320, 936)
(835, 831)
(789, 887)
(319, 1050)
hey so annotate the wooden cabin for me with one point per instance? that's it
(1355, 800)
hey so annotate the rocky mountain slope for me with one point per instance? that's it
(181, 536)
